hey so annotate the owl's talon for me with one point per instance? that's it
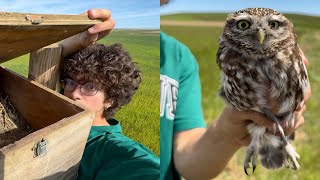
(293, 156)
(251, 152)
(245, 170)
(246, 164)
(286, 161)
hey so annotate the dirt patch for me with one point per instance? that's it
(12, 126)
(193, 23)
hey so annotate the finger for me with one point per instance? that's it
(304, 59)
(103, 26)
(308, 94)
(104, 33)
(298, 124)
(300, 105)
(258, 118)
(299, 113)
(102, 14)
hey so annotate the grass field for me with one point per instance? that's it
(203, 42)
(140, 118)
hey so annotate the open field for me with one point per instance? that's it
(192, 23)
(203, 42)
(140, 118)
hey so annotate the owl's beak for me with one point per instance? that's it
(260, 36)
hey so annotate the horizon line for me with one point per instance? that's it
(228, 12)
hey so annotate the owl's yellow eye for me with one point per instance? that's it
(274, 24)
(243, 24)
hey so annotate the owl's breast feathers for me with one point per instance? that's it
(277, 82)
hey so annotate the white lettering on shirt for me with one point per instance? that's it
(168, 96)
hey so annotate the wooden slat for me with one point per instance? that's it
(18, 35)
(44, 65)
(25, 19)
(38, 105)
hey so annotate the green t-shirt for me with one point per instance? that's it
(180, 101)
(111, 155)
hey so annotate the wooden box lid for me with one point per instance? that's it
(21, 33)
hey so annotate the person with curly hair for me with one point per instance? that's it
(103, 79)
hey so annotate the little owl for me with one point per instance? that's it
(262, 70)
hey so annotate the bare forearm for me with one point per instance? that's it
(204, 153)
(71, 45)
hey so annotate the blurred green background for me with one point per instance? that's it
(203, 42)
(140, 118)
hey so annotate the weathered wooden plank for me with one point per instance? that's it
(21, 33)
(66, 140)
(23, 19)
(38, 105)
(44, 65)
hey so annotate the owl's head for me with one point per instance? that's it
(259, 31)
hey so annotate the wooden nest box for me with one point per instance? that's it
(55, 148)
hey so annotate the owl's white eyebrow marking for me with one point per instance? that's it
(274, 18)
(243, 16)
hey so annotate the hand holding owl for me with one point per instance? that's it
(233, 123)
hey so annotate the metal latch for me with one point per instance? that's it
(40, 148)
(35, 19)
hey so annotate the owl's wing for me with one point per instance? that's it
(303, 79)
(219, 52)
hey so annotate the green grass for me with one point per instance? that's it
(203, 42)
(195, 17)
(140, 118)
(302, 20)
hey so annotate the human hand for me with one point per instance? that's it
(90, 36)
(233, 124)
(99, 30)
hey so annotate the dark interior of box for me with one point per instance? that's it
(38, 106)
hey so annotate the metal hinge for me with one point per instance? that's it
(34, 19)
(40, 148)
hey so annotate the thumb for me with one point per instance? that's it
(257, 118)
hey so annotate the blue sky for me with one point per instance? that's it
(138, 14)
(310, 7)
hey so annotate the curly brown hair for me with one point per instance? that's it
(109, 67)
